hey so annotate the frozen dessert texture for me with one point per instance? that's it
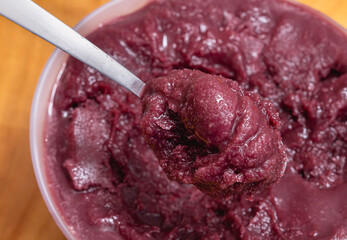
(107, 182)
(205, 130)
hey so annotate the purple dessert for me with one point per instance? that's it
(107, 182)
(205, 130)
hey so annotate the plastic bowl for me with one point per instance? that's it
(41, 106)
(42, 102)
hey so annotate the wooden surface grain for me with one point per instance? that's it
(23, 214)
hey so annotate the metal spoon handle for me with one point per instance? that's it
(38, 21)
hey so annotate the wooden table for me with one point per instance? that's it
(23, 214)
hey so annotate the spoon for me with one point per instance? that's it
(35, 19)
